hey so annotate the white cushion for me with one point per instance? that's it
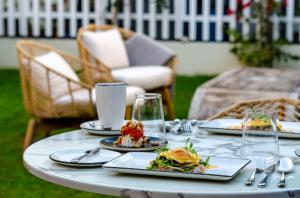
(58, 84)
(108, 47)
(147, 77)
(131, 92)
(82, 96)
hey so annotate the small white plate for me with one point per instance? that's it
(136, 163)
(225, 126)
(86, 126)
(97, 159)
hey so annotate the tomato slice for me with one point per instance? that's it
(133, 129)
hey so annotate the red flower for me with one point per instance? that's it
(229, 11)
(243, 6)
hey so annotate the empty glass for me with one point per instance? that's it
(260, 137)
(148, 109)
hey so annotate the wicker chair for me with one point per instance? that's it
(106, 75)
(43, 107)
(286, 108)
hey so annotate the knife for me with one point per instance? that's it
(268, 171)
(86, 153)
(296, 160)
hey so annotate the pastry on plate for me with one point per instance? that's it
(132, 135)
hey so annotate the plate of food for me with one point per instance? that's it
(95, 128)
(234, 126)
(182, 162)
(132, 138)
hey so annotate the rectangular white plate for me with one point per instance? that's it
(136, 163)
(290, 129)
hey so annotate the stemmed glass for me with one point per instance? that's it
(148, 109)
(260, 137)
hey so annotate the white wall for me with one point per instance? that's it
(194, 58)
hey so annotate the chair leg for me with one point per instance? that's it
(128, 113)
(168, 100)
(30, 132)
(48, 126)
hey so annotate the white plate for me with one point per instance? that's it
(108, 143)
(87, 127)
(289, 129)
(136, 163)
(97, 159)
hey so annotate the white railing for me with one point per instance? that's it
(194, 19)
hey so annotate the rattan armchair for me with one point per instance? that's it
(286, 108)
(45, 110)
(105, 75)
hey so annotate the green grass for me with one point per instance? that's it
(15, 180)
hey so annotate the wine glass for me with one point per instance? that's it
(148, 109)
(260, 137)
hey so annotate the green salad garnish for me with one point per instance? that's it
(183, 159)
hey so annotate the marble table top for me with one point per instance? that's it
(103, 181)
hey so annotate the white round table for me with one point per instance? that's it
(98, 180)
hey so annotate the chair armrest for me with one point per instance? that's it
(172, 64)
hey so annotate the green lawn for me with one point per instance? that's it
(15, 180)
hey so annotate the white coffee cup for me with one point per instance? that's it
(111, 104)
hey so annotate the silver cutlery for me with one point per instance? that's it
(296, 160)
(285, 165)
(185, 126)
(86, 153)
(297, 152)
(194, 122)
(175, 122)
(268, 171)
(171, 124)
(258, 169)
(98, 126)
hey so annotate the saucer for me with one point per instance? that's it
(93, 129)
(97, 159)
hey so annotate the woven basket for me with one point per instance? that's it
(286, 108)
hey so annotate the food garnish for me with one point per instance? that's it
(183, 159)
(262, 122)
(259, 122)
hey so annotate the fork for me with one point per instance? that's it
(186, 126)
(258, 169)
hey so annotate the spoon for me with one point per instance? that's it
(285, 165)
(297, 152)
(193, 122)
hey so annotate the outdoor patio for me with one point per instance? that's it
(210, 89)
(12, 132)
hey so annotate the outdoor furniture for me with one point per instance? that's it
(54, 95)
(104, 181)
(147, 77)
(287, 109)
(243, 84)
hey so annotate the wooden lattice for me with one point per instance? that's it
(287, 109)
